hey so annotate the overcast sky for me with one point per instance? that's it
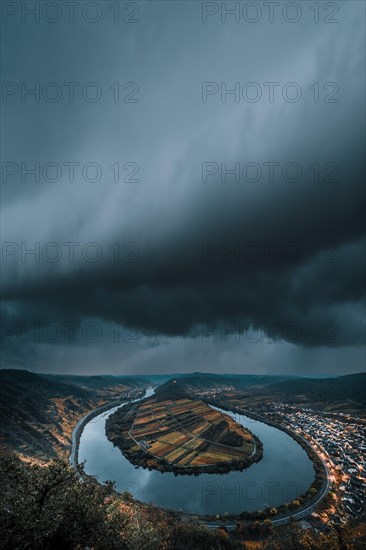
(191, 184)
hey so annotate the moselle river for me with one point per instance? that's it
(284, 473)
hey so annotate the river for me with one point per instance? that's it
(284, 473)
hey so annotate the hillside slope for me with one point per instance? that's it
(98, 382)
(34, 410)
(351, 387)
(38, 412)
(200, 381)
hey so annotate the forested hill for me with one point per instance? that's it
(38, 412)
(202, 381)
(350, 387)
(292, 389)
(97, 382)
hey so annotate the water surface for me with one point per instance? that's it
(284, 473)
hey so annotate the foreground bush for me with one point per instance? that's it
(55, 507)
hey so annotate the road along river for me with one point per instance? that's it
(284, 473)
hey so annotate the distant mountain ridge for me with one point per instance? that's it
(204, 380)
(347, 387)
(96, 381)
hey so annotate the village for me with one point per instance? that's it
(340, 440)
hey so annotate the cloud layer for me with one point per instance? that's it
(188, 248)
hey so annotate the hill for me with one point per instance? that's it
(119, 383)
(351, 387)
(199, 381)
(38, 413)
(346, 394)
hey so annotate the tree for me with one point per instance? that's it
(47, 507)
(197, 537)
(294, 538)
(295, 503)
(267, 526)
(127, 496)
(55, 507)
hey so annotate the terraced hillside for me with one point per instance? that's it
(182, 435)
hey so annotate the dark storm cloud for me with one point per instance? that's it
(192, 253)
